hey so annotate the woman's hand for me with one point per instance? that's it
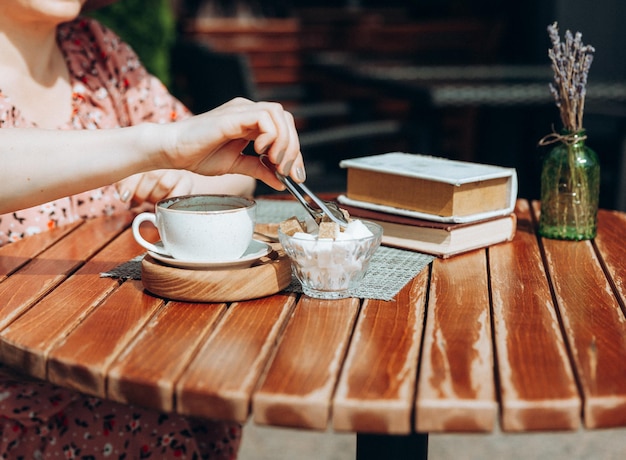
(212, 143)
(154, 186)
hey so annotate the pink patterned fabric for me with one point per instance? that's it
(38, 420)
(110, 89)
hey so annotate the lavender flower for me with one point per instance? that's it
(571, 61)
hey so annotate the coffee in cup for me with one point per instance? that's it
(210, 228)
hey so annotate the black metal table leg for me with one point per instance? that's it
(389, 447)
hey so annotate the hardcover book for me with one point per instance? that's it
(442, 239)
(429, 187)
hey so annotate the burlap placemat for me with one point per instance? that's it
(389, 271)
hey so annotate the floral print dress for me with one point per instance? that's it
(38, 420)
(110, 89)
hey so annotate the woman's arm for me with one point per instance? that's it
(37, 166)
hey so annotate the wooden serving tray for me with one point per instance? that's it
(269, 275)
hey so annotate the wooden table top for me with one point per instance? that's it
(529, 334)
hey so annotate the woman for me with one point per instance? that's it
(78, 76)
(85, 130)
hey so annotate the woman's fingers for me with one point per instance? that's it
(251, 165)
(126, 187)
(276, 132)
(154, 186)
(279, 141)
(211, 143)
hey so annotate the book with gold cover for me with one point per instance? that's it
(429, 187)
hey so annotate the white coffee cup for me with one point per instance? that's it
(211, 228)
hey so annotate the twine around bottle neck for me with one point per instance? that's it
(568, 137)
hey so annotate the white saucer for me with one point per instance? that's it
(255, 251)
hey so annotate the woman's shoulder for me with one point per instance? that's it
(112, 76)
(90, 43)
(87, 33)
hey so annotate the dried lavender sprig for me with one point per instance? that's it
(586, 65)
(571, 61)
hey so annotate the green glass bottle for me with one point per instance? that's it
(570, 190)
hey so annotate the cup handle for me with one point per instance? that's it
(137, 221)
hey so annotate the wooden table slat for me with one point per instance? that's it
(595, 327)
(610, 242)
(456, 384)
(299, 385)
(147, 371)
(15, 255)
(537, 385)
(220, 380)
(44, 273)
(377, 385)
(82, 359)
(25, 344)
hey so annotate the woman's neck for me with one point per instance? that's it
(32, 51)
(34, 74)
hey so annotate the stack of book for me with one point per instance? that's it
(430, 204)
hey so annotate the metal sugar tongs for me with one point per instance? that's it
(301, 191)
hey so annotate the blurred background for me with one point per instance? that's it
(463, 79)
